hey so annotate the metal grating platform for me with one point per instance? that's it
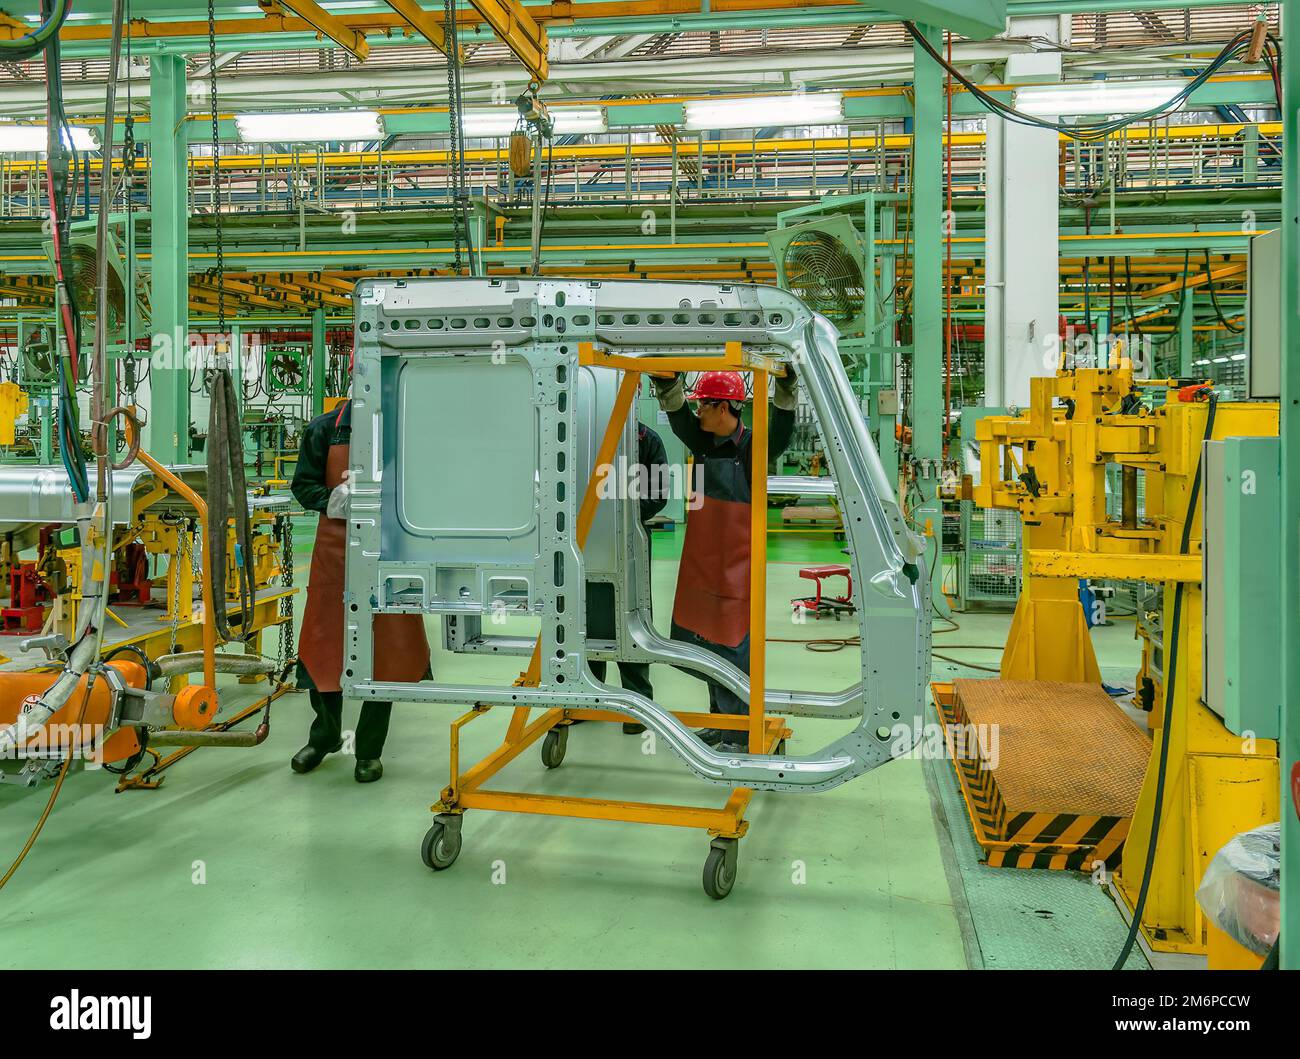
(1050, 772)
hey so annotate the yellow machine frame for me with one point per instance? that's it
(1050, 465)
(177, 628)
(465, 789)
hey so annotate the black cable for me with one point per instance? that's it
(33, 43)
(1214, 299)
(135, 649)
(1084, 130)
(61, 189)
(1110, 279)
(1171, 681)
(1273, 54)
(1132, 321)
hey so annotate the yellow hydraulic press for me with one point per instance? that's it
(1050, 464)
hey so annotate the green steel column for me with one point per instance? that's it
(1250, 154)
(169, 413)
(1186, 336)
(237, 363)
(1289, 537)
(43, 401)
(927, 299)
(318, 359)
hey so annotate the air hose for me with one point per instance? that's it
(1139, 907)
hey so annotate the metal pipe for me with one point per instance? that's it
(1129, 505)
(193, 661)
(205, 559)
(244, 739)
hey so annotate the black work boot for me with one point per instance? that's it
(368, 769)
(310, 756)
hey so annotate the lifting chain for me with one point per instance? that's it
(457, 145)
(216, 181)
(227, 481)
(286, 581)
(183, 530)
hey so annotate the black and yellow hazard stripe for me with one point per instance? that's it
(1055, 841)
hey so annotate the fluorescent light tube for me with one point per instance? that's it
(752, 112)
(499, 122)
(32, 139)
(489, 123)
(310, 127)
(1096, 98)
(578, 120)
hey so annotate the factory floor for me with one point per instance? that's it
(238, 862)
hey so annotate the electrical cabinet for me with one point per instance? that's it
(1241, 586)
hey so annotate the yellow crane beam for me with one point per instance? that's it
(1199, 280)
(424, 23)
(521, 33)
(327, 25)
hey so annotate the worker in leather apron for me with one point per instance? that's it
(712, 604)
(652, 497)
(320, 484)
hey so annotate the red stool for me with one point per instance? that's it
(819, 604)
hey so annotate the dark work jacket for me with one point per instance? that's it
(737, 446)
(713, 578)
(332, 428)
(652, 458)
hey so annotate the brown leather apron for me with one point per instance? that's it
(405, 654)
(713, 579)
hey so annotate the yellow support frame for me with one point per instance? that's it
(465, 789)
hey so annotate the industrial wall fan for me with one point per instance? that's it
(37, 360)
(286, 370)
(81, 272)
(821, 263)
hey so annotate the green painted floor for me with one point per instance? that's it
(238, 862)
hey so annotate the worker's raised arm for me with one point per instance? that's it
(308, 485)
(671, 394)
(785, 398)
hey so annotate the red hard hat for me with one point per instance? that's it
(718, 386)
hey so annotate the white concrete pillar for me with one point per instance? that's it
(1022, 230)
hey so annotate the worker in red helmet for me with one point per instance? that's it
(712, 604)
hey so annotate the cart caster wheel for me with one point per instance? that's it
(780, 748)
(720, 868)
(441, 845)
(554, 746)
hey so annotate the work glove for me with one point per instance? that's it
(337, 505)
(671, 393)
(785, 390)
